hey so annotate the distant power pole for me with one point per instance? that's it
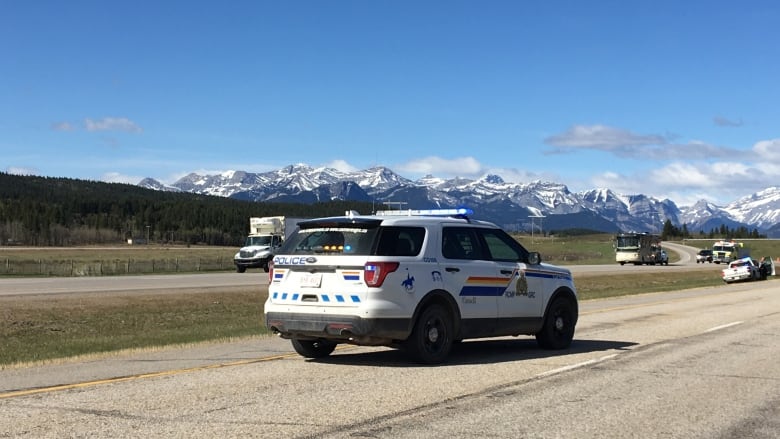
(532, 225)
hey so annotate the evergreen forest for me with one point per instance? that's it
(53, 211)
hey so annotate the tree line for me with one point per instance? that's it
(672, 232)
(54, 211)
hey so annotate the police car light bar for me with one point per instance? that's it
(426, 212)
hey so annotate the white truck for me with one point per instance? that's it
(726, 251)
(266, 235)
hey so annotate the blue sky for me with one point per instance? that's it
(671, 99)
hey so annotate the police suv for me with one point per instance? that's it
(415, 280)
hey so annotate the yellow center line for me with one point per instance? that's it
(49, 389)
(141, 376)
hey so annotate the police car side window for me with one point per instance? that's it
(400, 241)
(460, 243)
(502, 247)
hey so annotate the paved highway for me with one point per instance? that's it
(697, 363)
(113, 284)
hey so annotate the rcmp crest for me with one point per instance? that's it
(521, 286)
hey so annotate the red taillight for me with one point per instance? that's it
(270, 271)
(374, 273)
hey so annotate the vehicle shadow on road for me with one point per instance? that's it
(474, 352)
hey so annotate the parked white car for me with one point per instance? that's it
(743, 269)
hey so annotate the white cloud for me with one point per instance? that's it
(686, 183)
(62, 126)
(768, 150)
(626, 144)
(112, 124)
(682, 174)
(513, 175)
(602, 137)
(693, 150)
(21, 170)
(115, 177)
(441, 167)
(724, 122)
(341, 165)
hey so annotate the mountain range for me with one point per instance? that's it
(515, 206)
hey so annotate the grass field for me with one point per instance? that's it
(83, 254)
(586, 249)
(44, 327)
(118, 260)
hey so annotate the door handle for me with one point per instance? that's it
(507, 272)
(452, 269)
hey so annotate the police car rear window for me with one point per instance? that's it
(352, 239)
(340, 239)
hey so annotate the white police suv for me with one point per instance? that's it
(417, 280)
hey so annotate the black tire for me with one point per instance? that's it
(558, 329)
(240, 269)
(313, 348)
(432, 337)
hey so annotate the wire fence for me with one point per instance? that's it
(68, 268)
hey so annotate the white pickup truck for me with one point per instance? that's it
(742, 269)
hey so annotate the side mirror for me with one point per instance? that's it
(534, 258)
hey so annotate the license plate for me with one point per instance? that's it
(311, 280)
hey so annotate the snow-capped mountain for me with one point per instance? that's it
(508, 204)
(761, 209)
(151, 183)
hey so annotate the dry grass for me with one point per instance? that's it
(114, 252)
(614, 285)
(42, 328)
(116, 260)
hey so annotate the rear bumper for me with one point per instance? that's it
(339, 328)
(738, 277)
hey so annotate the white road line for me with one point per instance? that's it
(575, 366)
(727, 325)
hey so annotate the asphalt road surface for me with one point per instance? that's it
(697, 363)
(114, 284)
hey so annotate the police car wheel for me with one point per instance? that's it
(558, 328)
(240, 269)
(313, 348)
(432, 337)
